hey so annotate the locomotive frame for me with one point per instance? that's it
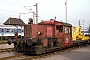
(44, 37)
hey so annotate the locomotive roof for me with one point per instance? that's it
(52, 21)
(64, 23)
(14, 21)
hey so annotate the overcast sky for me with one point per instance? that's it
(47, 9)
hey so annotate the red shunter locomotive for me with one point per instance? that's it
(44, 37)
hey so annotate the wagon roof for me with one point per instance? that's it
(14, 21)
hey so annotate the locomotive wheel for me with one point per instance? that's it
(9, 41)
(29, 42)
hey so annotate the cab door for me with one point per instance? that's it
(59, 35)
(67, 36)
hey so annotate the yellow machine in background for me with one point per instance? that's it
(78, 37)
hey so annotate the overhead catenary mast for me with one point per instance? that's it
(36, 5)
(66, 9)
(79, 22)
(36, 13)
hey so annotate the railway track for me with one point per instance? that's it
(3, 42)
(10, 56)
(19, 56)
(6, 50)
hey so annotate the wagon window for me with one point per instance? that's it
(7, 30)
(59, 28)
(12, 30)
(2, 30)
(67, 30)
(19, 30)
(15, 30)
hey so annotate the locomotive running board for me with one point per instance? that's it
(53, 49)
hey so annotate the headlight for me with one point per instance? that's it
(39, 32)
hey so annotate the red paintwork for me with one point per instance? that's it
(48, 29)
(61, 34)
(68, 39)
(60, 41)
(38, 28)
(48, 22)
(45, 42)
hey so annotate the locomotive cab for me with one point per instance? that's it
(64, 34)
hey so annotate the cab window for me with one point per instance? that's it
(59, 28)
(67, 30)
